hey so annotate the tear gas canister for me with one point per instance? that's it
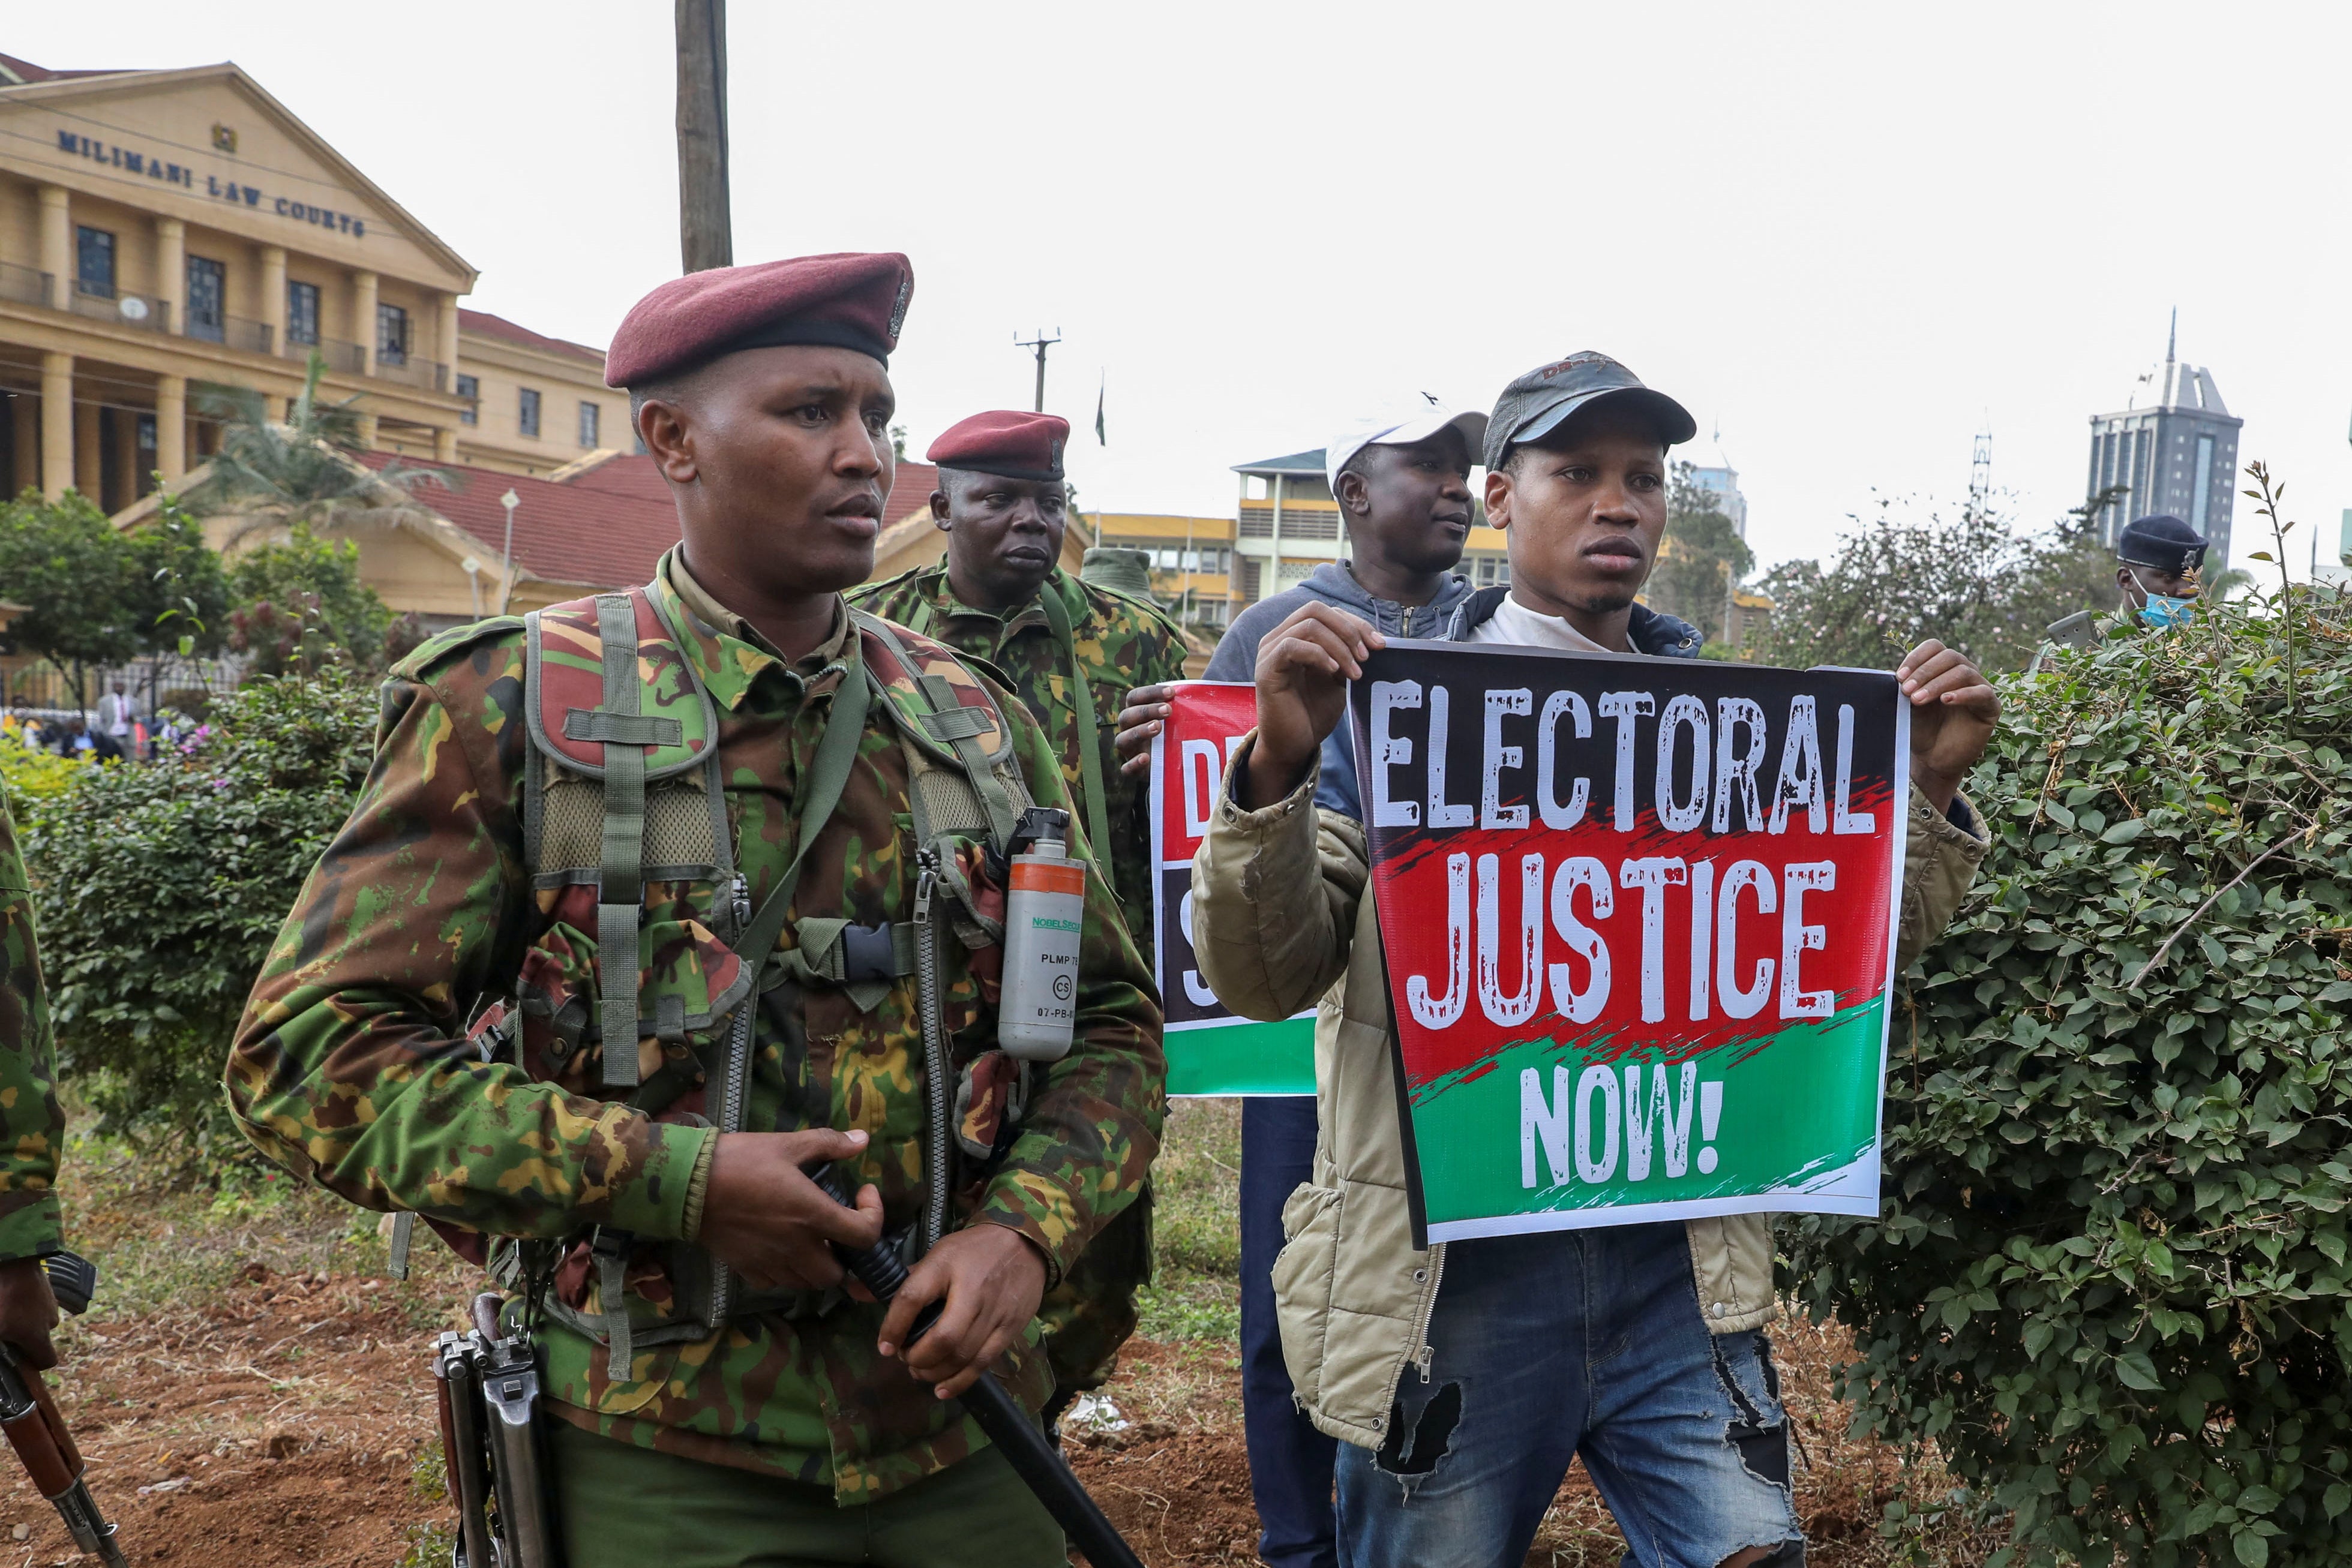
(1045, 917)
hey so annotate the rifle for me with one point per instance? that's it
(487, 1388)
(997, 1414)
(38, 1433)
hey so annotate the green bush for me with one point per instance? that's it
(2111, 1276)
(160, 887)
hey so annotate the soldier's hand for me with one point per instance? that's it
(765, 1218)
(27, 1311)
(993, 1279)
(1953, 710)
(1139, 722)
(1303, 670)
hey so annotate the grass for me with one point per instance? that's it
(1195, 1293)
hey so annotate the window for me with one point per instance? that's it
(588, 412)
(2197, 502)
(207, 286)
(302, 313)
(527, 412)
(391, 335)
(94, 251)
(470, 389)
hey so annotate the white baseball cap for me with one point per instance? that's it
(1400, 427)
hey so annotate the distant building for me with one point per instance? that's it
(1723, 484)
(2177, 455)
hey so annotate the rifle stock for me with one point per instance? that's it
(38, 1433)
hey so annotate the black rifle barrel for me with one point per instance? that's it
(1000, 1416)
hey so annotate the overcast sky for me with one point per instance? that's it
(1849, 236)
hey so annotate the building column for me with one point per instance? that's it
(445, 348)
(273, 294)
(171, 426)
(56, 424)
(172, 272)
(367, 433)
(444, 444)
(57, 244)
(363, 319)
(88, 471)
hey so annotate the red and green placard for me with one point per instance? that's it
(1639, 920)
(1210, 1050)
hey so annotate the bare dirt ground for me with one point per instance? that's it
(251, 1392)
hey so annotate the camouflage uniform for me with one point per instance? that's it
(1120, 643)
(32, 1125)
(345, 1068)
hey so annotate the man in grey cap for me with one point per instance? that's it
(1467, 1378)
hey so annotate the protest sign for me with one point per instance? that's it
(1210, 1049)
(1639, 921)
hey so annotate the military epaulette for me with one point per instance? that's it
(441, 644)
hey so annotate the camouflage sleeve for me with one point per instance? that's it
(32, 1125)
(345, 1068)
(1093, 1125)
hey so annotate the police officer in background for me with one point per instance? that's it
(2159, 561)
(633, 1146)
(1071, 648)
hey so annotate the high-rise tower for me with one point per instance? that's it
(2179, 456)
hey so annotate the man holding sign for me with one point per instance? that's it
(1583, 871)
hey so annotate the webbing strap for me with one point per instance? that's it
(612, 1301)
(620, 882)
(621, 729)
(1057, 616)
(813, 800)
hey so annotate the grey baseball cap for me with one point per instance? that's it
(1540, 401)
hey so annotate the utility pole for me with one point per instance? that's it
(1041, 343)
(705, 229)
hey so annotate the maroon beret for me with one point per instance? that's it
(1017, 446)
(845, 300)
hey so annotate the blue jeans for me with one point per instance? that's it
(1575, 1342)
(1290, 1460)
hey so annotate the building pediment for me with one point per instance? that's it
(208, 144)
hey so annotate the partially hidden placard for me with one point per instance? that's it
(1210, 1050)
(1639, 920)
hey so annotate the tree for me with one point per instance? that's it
(1972, 580)
(73, 573)
(179, 591)
(1702, 558)
(302, 598)
(303, 472)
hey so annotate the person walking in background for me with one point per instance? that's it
(1403, 481)
(118, 716)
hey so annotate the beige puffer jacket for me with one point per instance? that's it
(1279, 919)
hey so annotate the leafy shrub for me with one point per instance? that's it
(2112, 1276)
(32, 774)
(160, 887)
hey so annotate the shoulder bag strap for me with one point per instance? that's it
(1057, 616)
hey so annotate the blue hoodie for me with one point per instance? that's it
(1448, 618)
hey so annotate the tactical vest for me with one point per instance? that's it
(622, 791)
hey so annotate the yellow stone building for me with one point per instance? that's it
(166, 230)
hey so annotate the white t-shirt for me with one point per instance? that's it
(1514, 622)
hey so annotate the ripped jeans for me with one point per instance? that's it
(1569, 1343)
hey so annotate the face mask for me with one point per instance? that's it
(2165, 610)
